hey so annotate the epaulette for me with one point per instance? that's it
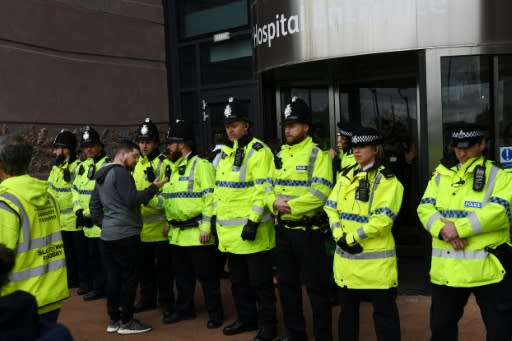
(162, 157)
(344, 171)
(257, 146)
(388, 173)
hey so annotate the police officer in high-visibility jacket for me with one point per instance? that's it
(82, 188)
(343, 137)
(188, 202)
(30, 225)
(60, 181)
(466, 209)
(245, 227)
(361, 208)
(156, 279)
(303, 181)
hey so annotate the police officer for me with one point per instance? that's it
(303, 181)
(466, 210)
(343, 137)
(188, 208)
(82, 188)
(361, 210)
(156, 279)
(60, 181)
(30, 225)
(245, 227)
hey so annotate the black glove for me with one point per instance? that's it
(88, 222)
(249, 230)
(342, 243)
(79, 218)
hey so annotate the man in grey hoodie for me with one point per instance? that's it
(115, 207)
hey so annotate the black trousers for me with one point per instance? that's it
(494, 300)
(253, 288)
(76, 264)
(198, 262)
(300, 252)
(94, 265)
(51, 316)
(123, 263)
(385, 313)
(156, 277)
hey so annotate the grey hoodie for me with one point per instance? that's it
(115, 202)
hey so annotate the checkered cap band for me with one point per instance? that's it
(345, 133)
(470, 134)
(365, 139)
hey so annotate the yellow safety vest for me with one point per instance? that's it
(189, 195)
(82, 190)
(243, 193)
(60, 189)
(30, 225)
(482, 218)
(153, 216)
(367, 223)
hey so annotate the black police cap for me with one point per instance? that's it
(345, 129)
(365, 136)
(65, 139)
(465, 135)
(90, 137)
(148, 131)
(296, 111)
(179, 131)
(236, 110)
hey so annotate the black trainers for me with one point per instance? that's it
(134, 326)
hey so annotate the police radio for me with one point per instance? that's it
(363, 191)
(278, 162)
(239, 157)
(81, 170)
(479, 178)
(66, 175)
(168, 172)
(150, 174)
(90, 171)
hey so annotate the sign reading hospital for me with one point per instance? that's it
(291, 31)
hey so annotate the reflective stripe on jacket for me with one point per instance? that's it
(367, 223)
(189, 195)
(153, 216)
(305, 178)
(242, 194)
(30, 223)
(60, 189)
(482, 218)
(82, 190)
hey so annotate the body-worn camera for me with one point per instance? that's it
(168, 172)
(181, 170)
(239, 157)
(150, 174)
(278, 162)
(363, 191)
(90, 171)
(66, 175)
(479, 178)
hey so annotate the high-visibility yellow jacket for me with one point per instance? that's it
(82, 189)
(482, 218)
(60, 189)
(189, 194)
(243, 193)
(367, 223)
(153, 216)
(305, 178)
(30, 225)
(347, 159)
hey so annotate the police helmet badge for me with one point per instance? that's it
(287, 111)
(144, 130)
(228, 111)
(86, 136)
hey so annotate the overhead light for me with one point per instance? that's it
(221, 37)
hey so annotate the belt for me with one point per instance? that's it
(192, 222)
